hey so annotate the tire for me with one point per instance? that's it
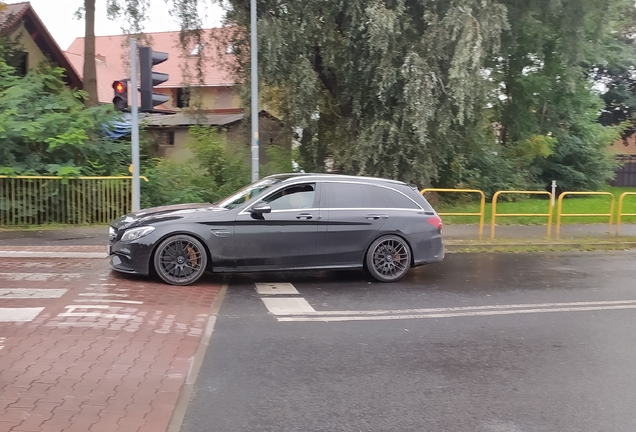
(180, 260)
(388, 258)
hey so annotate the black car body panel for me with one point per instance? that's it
(333, 225)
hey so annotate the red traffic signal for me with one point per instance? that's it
(120, 87)
(120, 99)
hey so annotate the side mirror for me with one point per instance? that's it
(261, 208)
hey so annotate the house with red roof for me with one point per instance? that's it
(21, 23)
(197, 95)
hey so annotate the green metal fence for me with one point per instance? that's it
(39, 200)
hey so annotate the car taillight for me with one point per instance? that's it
(436, 221)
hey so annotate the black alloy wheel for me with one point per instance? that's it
(388, 258)
(180, 260)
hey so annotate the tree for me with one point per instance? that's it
(45, 128)
(543, 73)
(90, 73)
(378, 87)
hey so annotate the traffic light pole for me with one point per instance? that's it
(134, 133)
(254, 65)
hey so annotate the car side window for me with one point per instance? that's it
(293, 198)
(354, 195)
(399, 201)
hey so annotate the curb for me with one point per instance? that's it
(178, 415)
(459, 246)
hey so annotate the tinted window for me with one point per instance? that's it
(398, 200)
(353, 195)
(293, 197)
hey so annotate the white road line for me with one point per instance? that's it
(71, 312)
(452, 314)
(19, 314)
(102, 294)
(3, 340)
(42, 254)
(474, 308)
(40, 277)
(27, 293)
(109, 301)
(288, 306)
(283, 288)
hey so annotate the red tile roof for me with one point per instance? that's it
(112, 59)
(12, 13)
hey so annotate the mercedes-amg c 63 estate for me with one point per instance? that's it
(284, 222)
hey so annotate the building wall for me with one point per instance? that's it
(237, 137)
(35, 55)
(212, 98)
(177, 152)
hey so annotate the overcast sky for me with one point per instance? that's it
(58, 17)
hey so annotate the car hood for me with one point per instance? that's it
(169, 212)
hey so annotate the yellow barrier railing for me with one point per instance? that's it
(482, 207)
(620, 211)
(38, 200)
(494, 209)
(560, 213)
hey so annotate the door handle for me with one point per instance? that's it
(305, 216)
(376, 216)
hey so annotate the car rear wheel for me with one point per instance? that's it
(388, 258)
(180, 260)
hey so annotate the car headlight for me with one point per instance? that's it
(135, 233)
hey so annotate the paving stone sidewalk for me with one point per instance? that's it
(85, 349)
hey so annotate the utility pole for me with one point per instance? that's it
(134, 133)
(254, 58)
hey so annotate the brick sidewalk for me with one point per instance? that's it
(106, 352)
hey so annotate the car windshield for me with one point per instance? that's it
(247, 193)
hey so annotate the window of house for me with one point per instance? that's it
(23, 64)
(182, 98)
(170, 140)
(196, 50)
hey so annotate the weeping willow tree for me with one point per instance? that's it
(378, 87)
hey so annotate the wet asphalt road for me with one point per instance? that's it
(505, 343)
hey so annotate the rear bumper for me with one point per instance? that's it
(431, 251)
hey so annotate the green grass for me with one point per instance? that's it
(529, 204)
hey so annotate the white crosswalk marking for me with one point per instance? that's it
(27, 293)
(40, 277)
(277, 288)
(283, 305)
(288, 306)
(25, 314)
(44, 254)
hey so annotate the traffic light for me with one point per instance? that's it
(120, 100)
(149, 79)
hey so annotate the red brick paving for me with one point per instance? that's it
(85, 364)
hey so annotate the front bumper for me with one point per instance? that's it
(131, 257)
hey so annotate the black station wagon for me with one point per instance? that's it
(284, 222)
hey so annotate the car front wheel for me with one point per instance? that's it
(388, 258)
(180, 260)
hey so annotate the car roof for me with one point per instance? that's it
(289, 177)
